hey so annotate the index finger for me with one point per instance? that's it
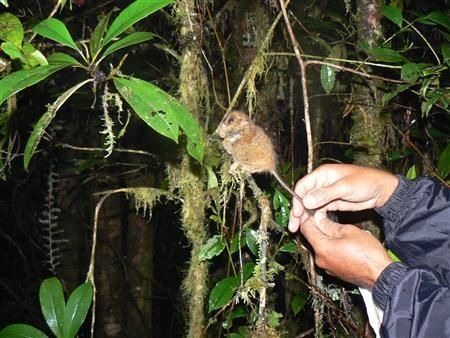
(312, 233)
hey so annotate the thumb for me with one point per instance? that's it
(324, 195)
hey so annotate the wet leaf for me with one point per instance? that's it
(51, 297)
(76, 310)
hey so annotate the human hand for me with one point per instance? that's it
(345, 251)
(341, 187)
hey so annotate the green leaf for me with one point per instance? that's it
(238, 312)
(96, 39)
(12, 50)
(298, 302)
(290, 247)
(393, 256)
(327, 78)
(17, 81)
(77, 308)
(44, 122)
(388, 96)
(436, 17)
(446, 53)
(443, 164)
(51, 297)
(21, 331)
(55, 30)
(411, 174)
(212, 178)
(132, 14)
(386, 55)
(62, 59)
(412, 71)
(429, 102)
(129, 40)
(394, 14)
(251, 238)
(149, 101)
(11, 29)
(235, 244)
(33, 56)
(222, 293)
(213, 247)
(282, 206)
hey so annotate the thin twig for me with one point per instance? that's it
(350, 70)
(359, 62)
(302, 65)
(222, 52)
(119, 150)
(91, 275)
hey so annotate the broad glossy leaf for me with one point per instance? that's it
(327, 78)
(129, 40)
(97, 36)
(51, 297)
(4, 3)
(443, 165)
(388, 96)
(55, 30)
(222, 293)
(61, 58)
(251, 238)
(149, 101)
(77, 308)
(11, 29)
(290, 247)
(17, 81)
(150, 106)
(33, 56)
(412, 71)
(21, 331)
(298, 302)
(132, 14)
(213, 247)
(387, 55)
(394, 14)
(282, 208)
(44, 122)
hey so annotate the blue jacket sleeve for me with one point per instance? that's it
(415, 294)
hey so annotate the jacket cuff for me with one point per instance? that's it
(386, 282)
(395, 206)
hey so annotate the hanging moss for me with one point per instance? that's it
(188, 178)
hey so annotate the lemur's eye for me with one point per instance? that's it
(229, 120)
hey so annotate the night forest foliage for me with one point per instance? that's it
(113, 181)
